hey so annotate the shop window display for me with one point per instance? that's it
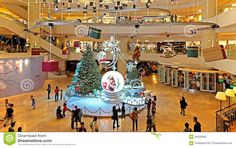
(12, 44)
(157, 47)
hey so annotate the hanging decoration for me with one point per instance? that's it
(102, 57)
(50, 65)
(113, 81)
(130, 66)
(110, 46)
(137, 53)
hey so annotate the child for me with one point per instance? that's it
(64, 109)
(33, 102)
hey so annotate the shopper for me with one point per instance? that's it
(58, 114)
(94, 125)
(56, 91)
(197, 125)
(115, 116)
(82, 128)
(64, 109)
(123, 110)
(153, 122)
(78, 113)
(49, 90)
(148, 103)
(183, 105)
(72, 119)
(134, 117)
(187, 129)
(9, 115)
(149, 123)
(11, 128)
(33, 101)
(61, 94)
(153, 110)
(19, 129)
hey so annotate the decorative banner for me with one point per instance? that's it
(113, 81)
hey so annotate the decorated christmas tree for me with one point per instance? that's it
(87, 78)
(132, 72)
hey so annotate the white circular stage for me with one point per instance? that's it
(93, 106)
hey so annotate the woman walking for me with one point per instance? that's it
(49, 90)
(33, 102)
(183, 105)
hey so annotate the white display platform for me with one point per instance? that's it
(93, 106)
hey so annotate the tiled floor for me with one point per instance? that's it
(168, 119)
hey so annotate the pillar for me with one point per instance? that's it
(34, 12)
(209, 8)
(121, 65)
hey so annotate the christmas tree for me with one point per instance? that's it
(87, 76)
(132, 72)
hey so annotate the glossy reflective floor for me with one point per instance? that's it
(168, 118)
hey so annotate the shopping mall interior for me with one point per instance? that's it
(157, 63)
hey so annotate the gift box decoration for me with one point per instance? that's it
(94, 33)
(214, 53)
(50, 66)
(35, 51)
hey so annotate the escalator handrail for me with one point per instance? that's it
(13, 18)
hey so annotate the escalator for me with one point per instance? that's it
(18, 28)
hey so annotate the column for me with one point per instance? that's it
(209, 8)
(121, 65)
(34, 12)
